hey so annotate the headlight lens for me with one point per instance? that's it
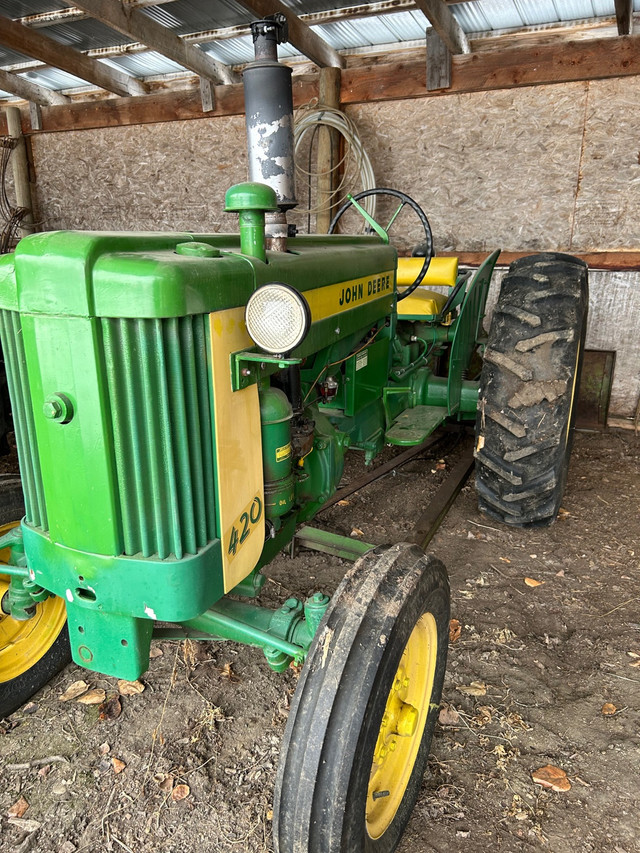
(277, 317)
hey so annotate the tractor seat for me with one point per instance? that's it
(425, 304)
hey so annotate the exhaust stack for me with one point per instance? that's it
(268, 103)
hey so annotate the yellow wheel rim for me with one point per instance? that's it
(22, 644)
(402, 726)
(573, 395)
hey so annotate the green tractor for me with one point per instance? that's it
(183, 401)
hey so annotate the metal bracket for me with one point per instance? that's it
(332, 543)
(249, 366)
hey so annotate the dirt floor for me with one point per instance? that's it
(545, 671)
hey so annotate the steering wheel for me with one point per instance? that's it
(405, 201)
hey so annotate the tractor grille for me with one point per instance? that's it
(161, 419)
(23, 421)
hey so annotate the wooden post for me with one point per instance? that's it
(20, 169)
(328, 149)
(438, 62)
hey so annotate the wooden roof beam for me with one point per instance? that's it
(441, 19)
(22, 88)
(624, 17)
(300, 35)
(38, 46)
(140, 27)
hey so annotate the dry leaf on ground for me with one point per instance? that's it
(18, 808)
(533, 582)
(155, 652)
(73, 691)
(608, 709)
(356, 532)
(130, 688)
(118, 765)
(455, 629)
(111, 709)
(92, 697)
(180, 792)
(552, 777)
(476, 688)
(448, 716)
(343, 503)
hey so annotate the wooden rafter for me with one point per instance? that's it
(441, 19)
(301, 36)
(33, 43)
(547, 64)
(22, 88)
(140, 27)
(624, 17)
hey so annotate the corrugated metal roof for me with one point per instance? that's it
(85, 35)
(193, 16)
(22, 8)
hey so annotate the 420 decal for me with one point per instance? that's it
(241, 530)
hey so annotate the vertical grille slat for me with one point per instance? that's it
(24, 423)
(161, 418)
(123, 382)
(177, 398)
(202, 400)
(197, 494)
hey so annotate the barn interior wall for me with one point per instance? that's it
(546, 167)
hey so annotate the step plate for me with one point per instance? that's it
(414, 425)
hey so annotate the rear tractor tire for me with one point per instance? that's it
(358, 735)
(528, 387)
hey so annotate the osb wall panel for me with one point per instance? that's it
(608, 202)
(493, 169)
(548, 167)
(148, 177)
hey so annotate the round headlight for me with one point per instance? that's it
(277, 317)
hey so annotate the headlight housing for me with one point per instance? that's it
(277, 317)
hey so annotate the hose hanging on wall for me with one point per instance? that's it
(310, 118)
(10, 217)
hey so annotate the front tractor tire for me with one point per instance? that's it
(358, 735)
(528, 387)
(31, 651)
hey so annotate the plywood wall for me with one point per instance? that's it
(169, 176)
(550, 167)
(547, 167)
